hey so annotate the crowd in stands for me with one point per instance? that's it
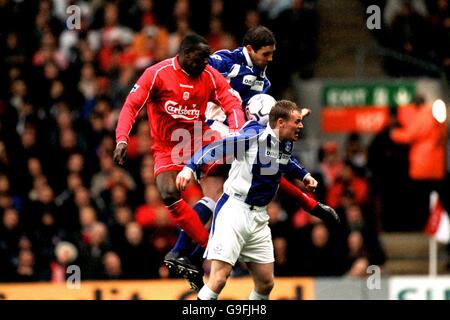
(415, 28)
(62, 199)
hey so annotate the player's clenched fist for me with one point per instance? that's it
(183, 178)
(120, 153)
(305, 112)
(310, 183)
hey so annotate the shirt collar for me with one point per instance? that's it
(177, 66)
(270, 131)
(250, 62)
(247, 57)
(176, 63)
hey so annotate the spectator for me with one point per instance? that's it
(36, 208)
(394, 7)
(218, 38)
(10, 234)
(91, 254)
(139, 260)
(330, 162)
(279, 225)
(297, 30)
(65, 254)
(408, 33)
(88, 219)
(175, 37)
(348, 181)
(25, 269)
(122, 217)
(14, 54)
(315, 254)
(389, 159)
(356, 153)
(427, 137)
(358, 226)
(112, 266)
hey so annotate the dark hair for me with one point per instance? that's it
(259, 37)
(191, 41)
(282, 109)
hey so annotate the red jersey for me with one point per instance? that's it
(174, 100)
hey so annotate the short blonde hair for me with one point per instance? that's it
(282, 109)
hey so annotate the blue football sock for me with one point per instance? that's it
(196, 255)
(197, 252)
(204, 208)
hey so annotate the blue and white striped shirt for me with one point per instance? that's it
(258, 161)
(237, 67)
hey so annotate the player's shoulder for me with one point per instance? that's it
(162, 65)
(211, 70)
(226, 55)
(252, 127)
(221, 54)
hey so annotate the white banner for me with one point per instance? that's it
(419, 288)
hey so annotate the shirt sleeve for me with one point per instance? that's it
(134, 103)
(229, 148)
(220, 61)
(295, 169)
(267, 86)
(229, 99)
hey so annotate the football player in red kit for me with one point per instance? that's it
(175, 93)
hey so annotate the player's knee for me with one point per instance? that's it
(265, 285)
(169, 194)
(167, 188)
(212, 187)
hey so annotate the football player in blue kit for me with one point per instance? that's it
(240, 228)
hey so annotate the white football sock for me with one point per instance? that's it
(206, 293)
(257, 296)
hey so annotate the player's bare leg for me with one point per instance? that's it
(212, 186)
(190, 266)
(220, 271)
(262, 274)
(186, 218)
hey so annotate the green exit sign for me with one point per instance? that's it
(377, 94)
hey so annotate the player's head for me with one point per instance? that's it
(260, 43)
(193, 54)
(286, 117)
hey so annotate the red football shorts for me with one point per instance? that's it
(166, 159)
(163, 162)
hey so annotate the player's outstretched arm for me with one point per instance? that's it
(327, 214)
(134, 103)
(306, 202)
